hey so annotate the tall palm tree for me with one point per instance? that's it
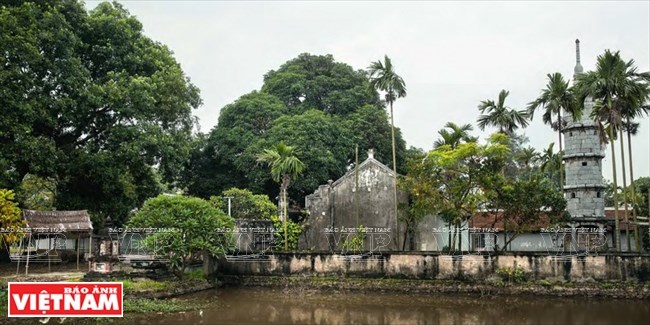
(452, 134)
(613, 88)
(631, 129)
(634, 106)
(384, 78)
(555, 98)
(550, 162)
(285, 166)
(499, 115)
(526, 157)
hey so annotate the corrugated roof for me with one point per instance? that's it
(68, 221)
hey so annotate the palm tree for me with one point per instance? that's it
(497, 114)
(526, 157)
(614, 88)
(635, 106)
(383, 78)
(555, 98)
(550, 162)
(632, 128)
(285, 166)
(454, 135)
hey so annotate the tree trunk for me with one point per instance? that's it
(617, 231)
(637, 239)
(559, 136)
(284, 211)
(392, 131)
(4, 251)
(627, 224)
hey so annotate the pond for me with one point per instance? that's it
(276, 306)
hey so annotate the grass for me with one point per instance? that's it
(143, 305)
(195, 275)
(144, 285)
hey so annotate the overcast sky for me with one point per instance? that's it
(451, 55)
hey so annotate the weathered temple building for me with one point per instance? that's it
(362, 197)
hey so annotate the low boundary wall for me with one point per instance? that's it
(421, 265)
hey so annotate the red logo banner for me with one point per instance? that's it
(65, 299)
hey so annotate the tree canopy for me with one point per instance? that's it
(185, 228)
(313, 103)
(92, 103)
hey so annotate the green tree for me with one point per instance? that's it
(447, 181)
(187, 228)
(556, 98)
(615, 87)
(245, 205)
(551, 164)
(318, 82)
(523, 204)
(384, 78)
(497, 114)
(311, 102)
(285, 166)
(92, 103)
(631, 128)
(326, 149)
(453, 134)
(526, 158)
(641, 188)
(371, 130)
(36, 193)
(10, 219)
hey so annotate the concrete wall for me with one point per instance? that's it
(446, 267)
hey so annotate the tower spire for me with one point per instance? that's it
(578, 67)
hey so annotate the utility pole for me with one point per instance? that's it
(229, 204)
(356, 184)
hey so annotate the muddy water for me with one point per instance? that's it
(273, 306)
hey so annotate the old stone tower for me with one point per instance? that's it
(583, 155)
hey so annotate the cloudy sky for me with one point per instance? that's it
(452, 55)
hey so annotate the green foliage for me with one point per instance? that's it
(188, 227)
(283, 161)
(322, 140)
(10, 217)
(498, 115)
(144, 305)
(293, 233)
(4, 301)
(195, 275)
(512, 274)
(384, 78)
(311, 102)
(356, 242)
(319, 82)
(447, 179)
(524, 204)
(90, 101)
(245, 205)
(36, 193)
(143, 285)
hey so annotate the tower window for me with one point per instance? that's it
(584, 163)
(573, 195)
(598, 194)
(595, 132)
(570, 134)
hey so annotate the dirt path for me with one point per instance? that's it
(39, 273)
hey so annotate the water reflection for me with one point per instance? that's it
(267, 306)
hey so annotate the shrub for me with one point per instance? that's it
(512, 274)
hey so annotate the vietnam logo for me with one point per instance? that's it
(65, 299)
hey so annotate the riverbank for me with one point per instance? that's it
(604, 289)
